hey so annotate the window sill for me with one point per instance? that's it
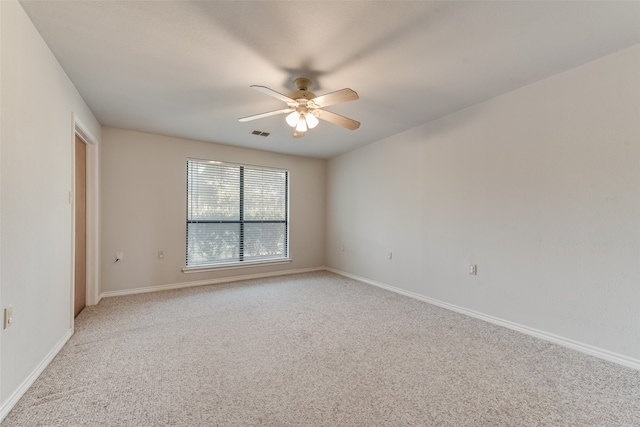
(235, 265)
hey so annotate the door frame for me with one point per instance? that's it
(92, 200)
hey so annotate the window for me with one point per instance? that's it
(235, 213)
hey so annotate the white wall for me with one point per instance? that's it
(143, 208)
(539, 187)
(37, 105)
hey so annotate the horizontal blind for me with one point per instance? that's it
(235, 213)
(265, 214)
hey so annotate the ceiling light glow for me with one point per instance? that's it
(312, 120)
(302, 124)
(292, 119)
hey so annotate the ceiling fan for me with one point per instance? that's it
(305, 108)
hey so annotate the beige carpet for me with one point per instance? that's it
(314, 350)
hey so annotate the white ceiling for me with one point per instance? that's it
(183, 68)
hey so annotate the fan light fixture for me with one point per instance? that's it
(302, 124)
(312, 120)
(292, 119)
(302, 121)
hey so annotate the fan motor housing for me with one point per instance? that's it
(302, 93)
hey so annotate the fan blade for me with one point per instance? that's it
(342, 95)
(270, 113)
(273, 93)
(339, 120)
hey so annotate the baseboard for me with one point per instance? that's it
(565, 342)
(206, 282)
(28, 382)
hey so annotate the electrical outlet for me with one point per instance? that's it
(473, 269)
(8, 317)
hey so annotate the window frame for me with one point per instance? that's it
(240, 263)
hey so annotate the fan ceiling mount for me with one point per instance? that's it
(305, 108)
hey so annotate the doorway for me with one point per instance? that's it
(80, 277)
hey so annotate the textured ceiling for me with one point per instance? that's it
(184, 68)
